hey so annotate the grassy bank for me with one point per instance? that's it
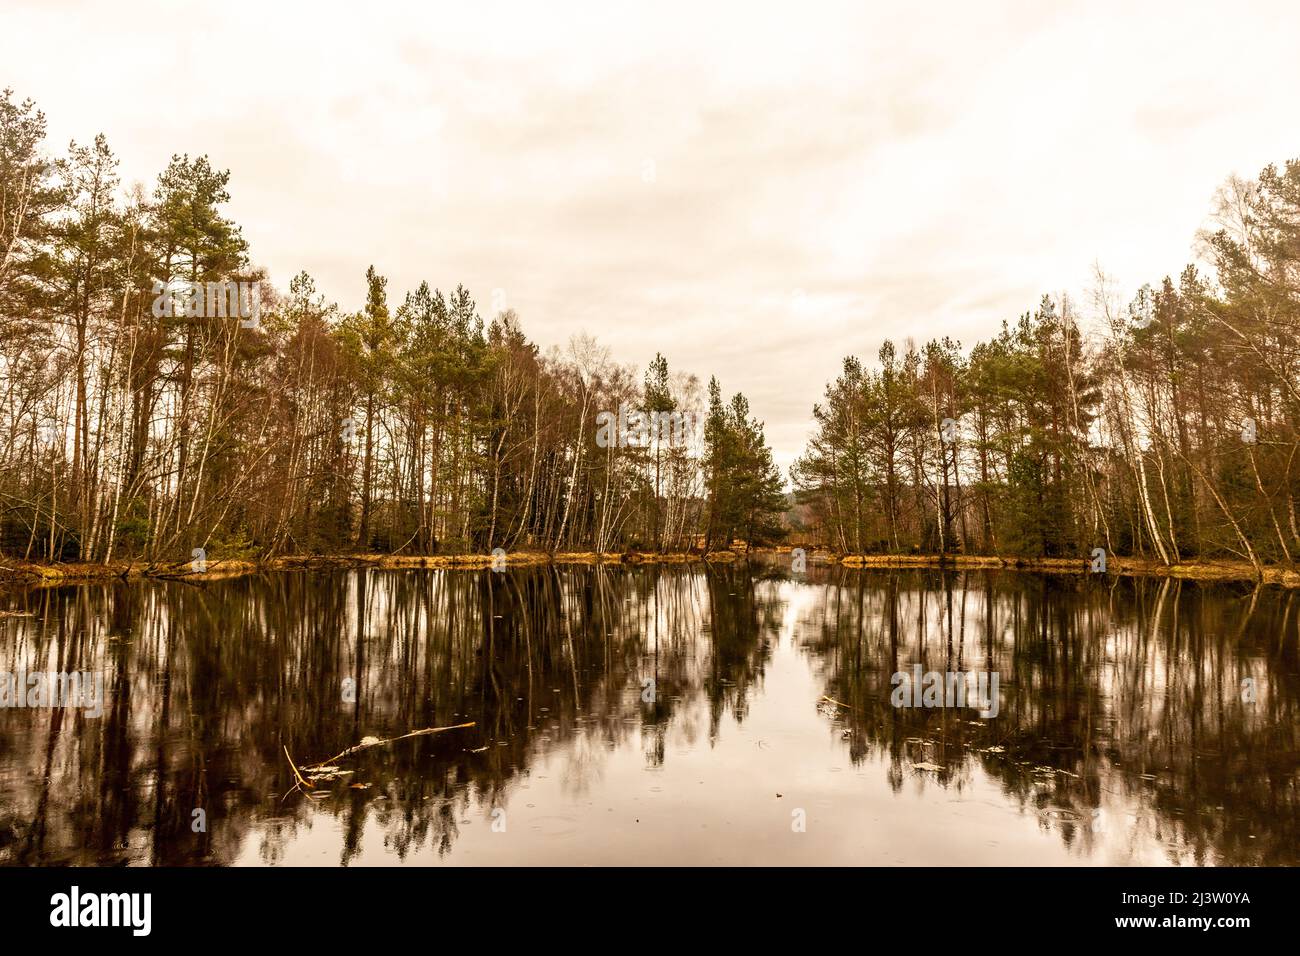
(1125, 567)
(16, 573)
(33, 573)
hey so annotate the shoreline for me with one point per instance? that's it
(1116, 566)
(26, 574)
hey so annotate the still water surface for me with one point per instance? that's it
(655, 715)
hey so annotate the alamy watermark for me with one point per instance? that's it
(75, 908)
(635, 428)
(1143, 308)
(50, 689)
(226, 299)
(974, 689)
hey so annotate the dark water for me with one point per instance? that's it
(655, 716)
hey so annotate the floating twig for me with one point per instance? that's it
(301, 784)
(368, 742)
(837, 703)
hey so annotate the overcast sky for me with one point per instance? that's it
(755, 193)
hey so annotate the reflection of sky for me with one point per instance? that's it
(718, 805)
(730, 800)
(1123, 699)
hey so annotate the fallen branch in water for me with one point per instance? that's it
(837, 703)
(367, 742)
(301, 784)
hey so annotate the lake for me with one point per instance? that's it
(654, 715)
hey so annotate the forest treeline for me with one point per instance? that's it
(146, 413)
(1167, 427)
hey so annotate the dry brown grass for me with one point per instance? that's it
(1128, 567)
(34, 574)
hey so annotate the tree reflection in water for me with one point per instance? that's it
(1121, 703)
